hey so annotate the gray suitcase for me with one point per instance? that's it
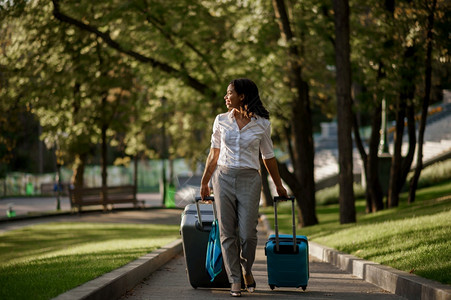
(195, 228)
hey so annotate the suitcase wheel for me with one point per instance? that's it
(272, 286)
(304, 287)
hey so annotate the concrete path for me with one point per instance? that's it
(31, 211)
(161, 274)
(170, 280)
(27, 206)
(326, 282)
(149, 216)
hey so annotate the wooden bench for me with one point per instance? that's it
(93, 196)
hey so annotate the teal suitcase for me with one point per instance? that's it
(287, 256)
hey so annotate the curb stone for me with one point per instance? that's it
(116, 283)
(398, 282)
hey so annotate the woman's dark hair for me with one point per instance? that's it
(252, 104)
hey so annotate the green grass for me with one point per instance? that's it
(330, 195)
(437, 173)
(434, 174)
(414, 238)
(43, 261)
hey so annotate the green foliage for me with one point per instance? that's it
(80, 87)
(65, 72)
(43, 261)
(381, 36)
(187, 51)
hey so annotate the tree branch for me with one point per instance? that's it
(168, 35)
(105, 36)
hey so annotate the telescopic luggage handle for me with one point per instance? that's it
(280, 198)
(276, 226)
(209, 198)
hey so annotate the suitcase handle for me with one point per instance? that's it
(276, 226)
(199, 217)
(209, 198)
(280, 198)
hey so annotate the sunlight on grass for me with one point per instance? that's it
(411, 244)
(43, 261)
(414, 237)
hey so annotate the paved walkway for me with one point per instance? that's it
(326, 282)
(36, 205)
(161, 274)
(31, 211)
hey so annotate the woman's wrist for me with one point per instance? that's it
(278, 184)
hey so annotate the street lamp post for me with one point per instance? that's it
(384, 156)
(383, 146)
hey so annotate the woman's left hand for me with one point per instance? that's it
(281, 191)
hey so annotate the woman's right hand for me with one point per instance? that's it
(204, 191)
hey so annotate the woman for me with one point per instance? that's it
(238, 137)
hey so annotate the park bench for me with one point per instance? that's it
(86, 196)
(49, 189)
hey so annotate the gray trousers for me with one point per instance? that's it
(237, 197)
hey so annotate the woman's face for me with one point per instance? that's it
(232, 99)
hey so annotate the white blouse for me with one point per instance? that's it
(240, 148)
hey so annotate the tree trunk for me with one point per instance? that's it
(78, 168)
(374, 189)
(303, 185)
(104, 156)
(344, 114)
(135, 174)
(164, 154)
(362, 152)
(171, 171)
(395, 170)
(303, 159)
(425, 105)
(266, 191)
(77, 179)
(401, 166)
(364, 157)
